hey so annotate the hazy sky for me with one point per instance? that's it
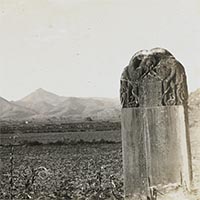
(80, 47)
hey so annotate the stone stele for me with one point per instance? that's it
(155, 137)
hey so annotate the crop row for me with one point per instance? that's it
(87, 171)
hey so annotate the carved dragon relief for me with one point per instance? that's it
(154, 65)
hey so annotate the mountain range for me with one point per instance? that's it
(42, 104)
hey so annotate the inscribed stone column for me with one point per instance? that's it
(155, 137)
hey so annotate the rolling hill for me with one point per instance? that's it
(42, 104)
(194, 108)
(10, 110)
(41, 101)
(81, 108)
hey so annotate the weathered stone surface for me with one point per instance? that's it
(155, 137)
(154, 148)
(153, 78)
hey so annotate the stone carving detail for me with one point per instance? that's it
(147, 69)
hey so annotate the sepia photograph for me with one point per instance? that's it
(99, 100)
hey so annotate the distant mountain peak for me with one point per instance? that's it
(40, 90)
(41, 95)
(44, 104)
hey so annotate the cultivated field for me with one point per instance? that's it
(60, 137)
(73, 171)
(79, 171)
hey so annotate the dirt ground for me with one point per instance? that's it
(195, 192)
(195, 146)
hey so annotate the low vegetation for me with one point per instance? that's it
(10, 127)
(81, 171)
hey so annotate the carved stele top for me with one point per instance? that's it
(153, 78)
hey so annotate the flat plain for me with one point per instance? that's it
(73, 171)
(61, 171)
